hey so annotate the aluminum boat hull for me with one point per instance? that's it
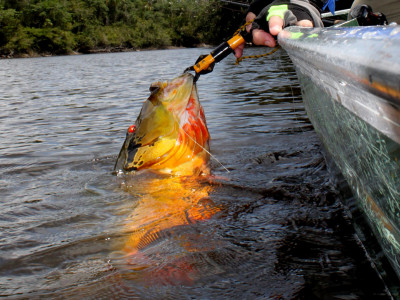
(350, 80)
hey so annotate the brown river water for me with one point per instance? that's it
(271, 228)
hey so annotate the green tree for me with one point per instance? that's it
(9, 24)
(61, 26)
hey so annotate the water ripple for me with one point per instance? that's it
(274, 228)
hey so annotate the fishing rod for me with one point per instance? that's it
(236, 3)
(205, 63)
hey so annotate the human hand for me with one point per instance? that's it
(273, 18)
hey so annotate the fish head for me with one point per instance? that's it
(170, 135)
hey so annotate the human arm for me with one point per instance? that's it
(270, 17)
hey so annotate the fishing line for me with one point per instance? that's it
(212, 156)
(280, 62)
(239, 59)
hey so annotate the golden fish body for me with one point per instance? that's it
(165, 203)
(170, 135)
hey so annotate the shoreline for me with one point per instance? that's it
(99, 50)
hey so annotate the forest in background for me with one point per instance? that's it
(32, 27)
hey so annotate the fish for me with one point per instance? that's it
(170, 135)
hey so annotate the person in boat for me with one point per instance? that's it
(270, 17)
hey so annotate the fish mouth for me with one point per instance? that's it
(184, 82)
(186, 77)
(169, 86)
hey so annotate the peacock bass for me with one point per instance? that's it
(170, 136)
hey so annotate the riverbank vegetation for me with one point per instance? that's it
(31, 27)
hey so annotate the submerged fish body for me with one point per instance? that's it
(162, 241)
(170, 136)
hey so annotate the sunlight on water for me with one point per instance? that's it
(271, 228)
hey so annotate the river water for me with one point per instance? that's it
(275, 228)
